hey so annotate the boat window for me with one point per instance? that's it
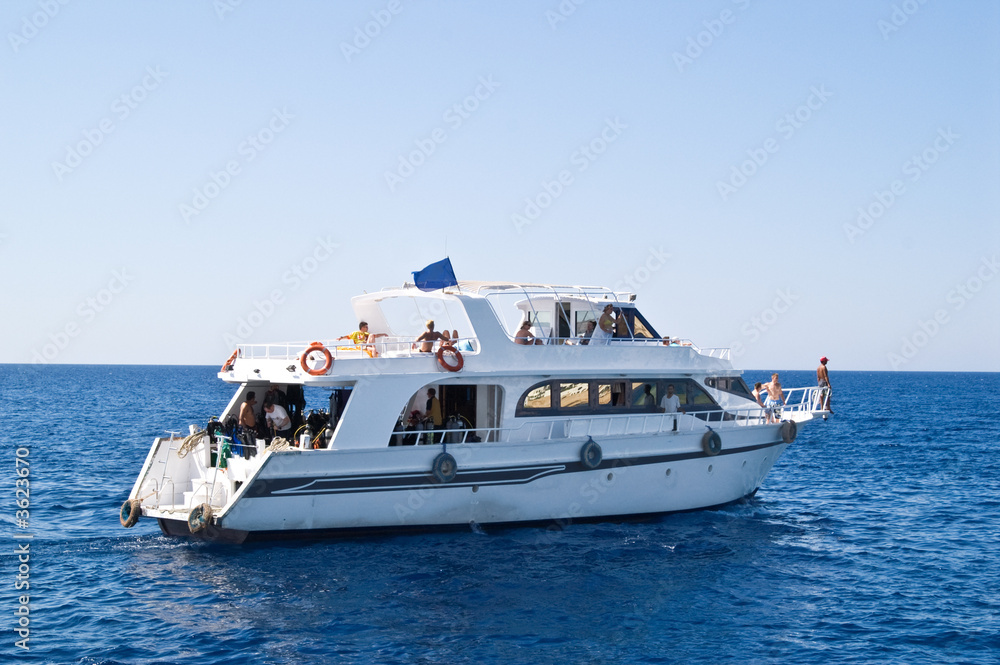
(644, 394)
(610, 397)
(582, 319)
(641, 330)
(541, 323)
(574, 395)
(729, 384)
(641, 326)
(696, 396)
(539, 397)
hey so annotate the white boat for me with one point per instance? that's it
(566, 428)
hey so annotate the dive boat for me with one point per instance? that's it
(534, 411)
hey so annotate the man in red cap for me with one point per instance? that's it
(823, 380)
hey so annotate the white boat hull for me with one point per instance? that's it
(318, 491)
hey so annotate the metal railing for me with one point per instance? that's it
(389, 347)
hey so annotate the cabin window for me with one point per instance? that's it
(601, 396)
(539, 397)
(641, 330)
(574, 395)
(698, 397)
(729, 384)
(609, 394)
(644, 394)
(582, 319)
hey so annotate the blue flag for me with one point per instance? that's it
(435, 276)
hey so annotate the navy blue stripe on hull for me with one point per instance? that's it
(515, 475)
(177, 528)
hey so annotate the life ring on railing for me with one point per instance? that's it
(199, 518)
(130, 513)
(711, 443)
(327, 363)
(228, 365)
(459, 361)
(591, 454)
(789, 430)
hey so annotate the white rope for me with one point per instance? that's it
(190, 442)
(279, 444)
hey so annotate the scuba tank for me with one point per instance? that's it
(305, 440)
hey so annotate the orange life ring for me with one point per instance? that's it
(226, 366)
(460, 362)
(319, 371)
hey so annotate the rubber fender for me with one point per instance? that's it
(789, 430)
(591, 454)
(711, 443)
(130, 513)
(199, 518)
(444, 468)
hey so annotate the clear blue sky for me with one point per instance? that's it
(168, 169)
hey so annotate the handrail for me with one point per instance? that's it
(392, 347)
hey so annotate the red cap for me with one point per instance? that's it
(823, 359)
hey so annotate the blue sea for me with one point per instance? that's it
(875, 539)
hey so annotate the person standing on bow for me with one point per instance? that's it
(775, 398)
(823, 381)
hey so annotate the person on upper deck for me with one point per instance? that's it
(585, 337)
(362, 336)
(428, 338)
(621, 326)
(524, 336)
(605, 327)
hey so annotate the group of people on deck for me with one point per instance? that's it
(598, 332)
(279, 415)
(775, 396)
(424, 343)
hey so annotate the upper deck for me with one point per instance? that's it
(483, 319)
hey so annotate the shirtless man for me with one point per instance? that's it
(823, 381)
(775, 397)
(247, 418)
(428, 338)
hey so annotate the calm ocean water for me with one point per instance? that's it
(875, 539)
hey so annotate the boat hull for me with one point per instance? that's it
(319, 493)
